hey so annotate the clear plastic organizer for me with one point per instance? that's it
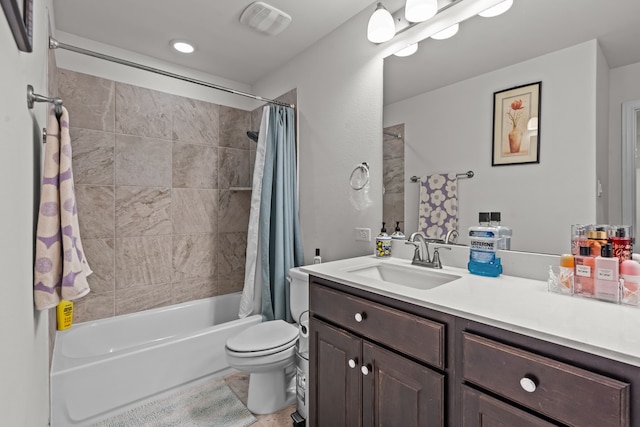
(562, 281)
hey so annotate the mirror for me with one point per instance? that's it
(630, 163)
(443, 96)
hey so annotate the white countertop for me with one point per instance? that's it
(512, 303)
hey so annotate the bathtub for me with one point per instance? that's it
(102, 366)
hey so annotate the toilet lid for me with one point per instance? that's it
(263, 336)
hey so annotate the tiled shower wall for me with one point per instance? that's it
(154, 174)
(393, 177)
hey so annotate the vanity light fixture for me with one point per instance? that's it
(407, 51)
(446, 33)
(420, 10)
(182, 46)
(496, 10)
(381, 26)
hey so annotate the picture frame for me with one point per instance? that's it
(516, 125)
(20, 22)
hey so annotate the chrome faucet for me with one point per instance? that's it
(451, 237)
(417, 256)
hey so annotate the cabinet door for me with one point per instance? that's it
(335, 377)
(480, 410)
(399, 392)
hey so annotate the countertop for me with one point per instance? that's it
(512, 303)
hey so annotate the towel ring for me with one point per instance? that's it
(359, 176)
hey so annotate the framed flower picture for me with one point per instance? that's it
(516, 125)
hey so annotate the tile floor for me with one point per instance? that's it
(239, 383)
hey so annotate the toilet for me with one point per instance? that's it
(267, 351)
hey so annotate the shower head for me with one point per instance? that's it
(253, 135)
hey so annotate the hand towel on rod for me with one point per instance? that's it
(61, 269)
(438, 210)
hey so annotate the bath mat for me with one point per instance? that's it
(211, 404)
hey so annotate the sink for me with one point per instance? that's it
(413, 277)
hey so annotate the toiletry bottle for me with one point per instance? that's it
(503, 232)
(566, 270)
(398, 235)
(596, 238)
(622, 242)
(317, 259)
(630, 274)
(584, 270)
(383, 243)
(483, 245)
(578, 238)
(64, 314)
(607, 283)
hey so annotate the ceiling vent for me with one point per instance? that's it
(265, 18)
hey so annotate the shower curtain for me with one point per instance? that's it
(274, 243)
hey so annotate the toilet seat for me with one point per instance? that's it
(263, 339)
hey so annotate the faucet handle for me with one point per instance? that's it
(416, 251)
(436, 256)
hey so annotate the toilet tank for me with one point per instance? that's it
(298, 292)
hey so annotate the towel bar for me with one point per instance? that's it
(468, 174)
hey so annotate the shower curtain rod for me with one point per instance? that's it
(55, 44)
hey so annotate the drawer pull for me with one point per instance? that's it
(365, 369)
(360, 317)
(528, 384)
(353, 363)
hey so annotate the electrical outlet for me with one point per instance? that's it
(363, 234)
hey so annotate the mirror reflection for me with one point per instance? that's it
(442, 96)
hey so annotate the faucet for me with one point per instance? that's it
(417, 239)
(451, 237)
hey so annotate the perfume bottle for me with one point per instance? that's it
(607, 280)
(622, 242)
(585, 266)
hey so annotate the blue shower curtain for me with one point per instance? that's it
(279, 230)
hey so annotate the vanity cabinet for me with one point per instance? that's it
(376, 360)
(362, 373)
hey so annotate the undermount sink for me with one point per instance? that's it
(413, 277)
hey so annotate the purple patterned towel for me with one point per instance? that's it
(61, 269)
(438, 205)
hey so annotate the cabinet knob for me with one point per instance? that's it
(359, 317)
(365, 369)
(528, 384)
(353, 363)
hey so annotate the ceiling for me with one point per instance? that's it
(231, 50)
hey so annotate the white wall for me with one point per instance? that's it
(449, 130)
(624, 86)
(602, 139)
(24, 355)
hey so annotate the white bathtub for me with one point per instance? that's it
(102, 366)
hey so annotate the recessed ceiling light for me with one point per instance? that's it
(447, 32)
(182, 46)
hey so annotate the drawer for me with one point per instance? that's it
(409, 334)
(563, 392)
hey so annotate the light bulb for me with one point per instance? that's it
(407, 51)
(496, 10)
(182, 46)
(420, 10)
(381, 27)
(447, 32)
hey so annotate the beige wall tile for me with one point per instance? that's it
(195, 166)
(234, 124)
(143, 261)
(194, 255)
(143, 211)
(93, 154)
(89, 99)
(231, 260)
(195, 122)
(142, 298)
(393, 175)
(94, 306)
(194, 210)
(100, 255)
(233, 168)
(233, 211)
(143, 112)
(95, 211)
(143, 161)
(193, 289)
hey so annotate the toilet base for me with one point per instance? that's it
(271, 391)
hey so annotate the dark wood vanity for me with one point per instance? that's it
(381, 361)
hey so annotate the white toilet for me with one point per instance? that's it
(267, 352)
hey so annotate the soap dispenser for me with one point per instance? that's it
(383, 243)
(398, 235)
